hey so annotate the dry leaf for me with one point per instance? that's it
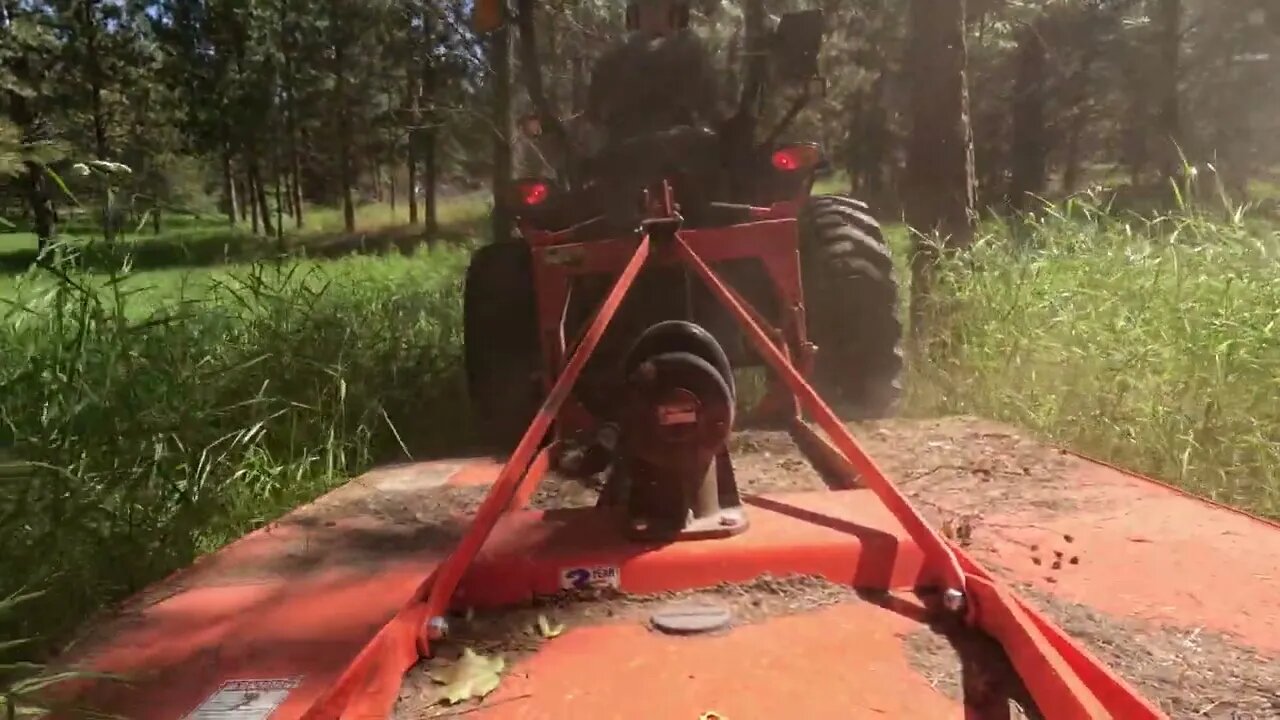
(470, 676)
(546, 629)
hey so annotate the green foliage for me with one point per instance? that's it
(134, 438)
(24, 686)
(1151, 343)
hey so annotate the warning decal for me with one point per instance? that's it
(245, 700)
(582, 578)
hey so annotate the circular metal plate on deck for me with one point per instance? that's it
(691, 618)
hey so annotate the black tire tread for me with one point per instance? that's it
(852, 302)
(500, 343)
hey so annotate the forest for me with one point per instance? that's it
(274, 202)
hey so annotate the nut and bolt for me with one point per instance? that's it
(953, 600)
(437, 628)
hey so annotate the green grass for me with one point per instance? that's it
(208, 241)
(148, 417)
(1155, 345)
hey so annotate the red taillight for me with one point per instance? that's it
(532, 192)
(796, 157)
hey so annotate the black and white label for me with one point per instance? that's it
(245, 700)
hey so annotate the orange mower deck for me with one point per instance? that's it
(249, 613)
(332, 631)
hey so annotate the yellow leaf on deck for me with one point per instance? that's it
(546, 629)
(470, 676)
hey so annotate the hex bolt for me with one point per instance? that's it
(953, 600)
(437, 628)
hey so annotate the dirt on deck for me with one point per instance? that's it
(959, 472)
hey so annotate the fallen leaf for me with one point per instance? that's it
(546, 629)
(470, 676)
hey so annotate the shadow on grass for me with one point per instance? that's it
(230, 246)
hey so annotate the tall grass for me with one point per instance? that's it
(1153, 343)
(134, 438)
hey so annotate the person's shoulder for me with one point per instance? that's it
(688, 36)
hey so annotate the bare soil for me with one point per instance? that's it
(1190, 674)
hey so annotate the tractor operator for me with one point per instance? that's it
(659, 77)
(653, 97)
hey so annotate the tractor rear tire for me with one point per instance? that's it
(851, 300)
(500, 344)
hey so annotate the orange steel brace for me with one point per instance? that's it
(504, 489)
(933, 546)
(1065, 682)
(1118, 698)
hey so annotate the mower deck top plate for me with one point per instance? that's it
(799, 651)
(1148, 578)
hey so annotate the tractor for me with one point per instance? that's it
(623, 310)
(816, 269)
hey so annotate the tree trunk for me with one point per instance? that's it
(1078, 122)
(391, 183)
(1030, 150)
(89, 20)
(259, 197)
(34, 183)
(428, 137)
(578, 84)
(500, 52)
(41, 206)
(250, 199)
(879, 138)
(939, 177)
(279, 212)
(411, 151)
(344, 120)
(287, 180)
(295, 162)
(245, 203)
(1169, 73)
(229, 188)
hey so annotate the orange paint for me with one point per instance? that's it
(847, 537)
(1148, 553)
(480, 473)
(846, 661)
